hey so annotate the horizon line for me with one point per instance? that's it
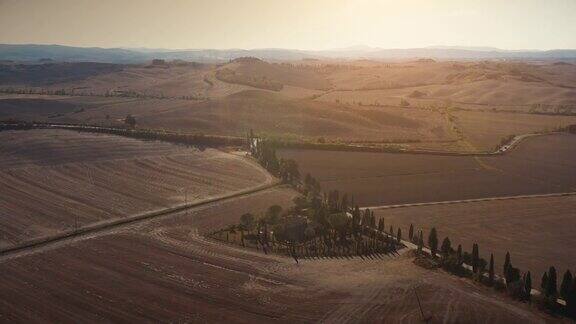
(347, 48)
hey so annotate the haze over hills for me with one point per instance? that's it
(33, 52)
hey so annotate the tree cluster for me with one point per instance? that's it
(197, 140)
(108, 93)
(265, 152)
(517, 284)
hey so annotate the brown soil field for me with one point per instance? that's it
(173, 80)
(476, 85)
(272, 114)
(479, 85)
(538, 232)
(169, 80)
(163, 270)
(485, 130)
(543, 164)
(329, 99)
(51, 179)
(265, 112)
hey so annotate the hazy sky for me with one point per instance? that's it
(302, 24)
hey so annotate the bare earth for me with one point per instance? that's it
(164, 270)
(448, 106)
(538, 232)
(52, 180)
(542, 164)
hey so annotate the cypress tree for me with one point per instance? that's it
(420, 242)
(571, 301)
(381, 225)
(552, 287)
(344, 203)
(491, 270)
(433, 241)
(366, 218)
(566, 285)
(445, 247)
(544, 283)
(391, 230)
(475, 257)
(356, 220)
(528, 285)
(507, 263)
(459, 254)
(411, 232)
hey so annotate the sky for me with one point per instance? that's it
(296, 24)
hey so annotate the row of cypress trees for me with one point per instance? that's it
(517, 285)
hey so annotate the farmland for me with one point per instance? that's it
(266, 112)
(536, 231)
(542, 164)
(164, 270)
(170, 268)
(447, 106)
(484, 130)
(57, 180)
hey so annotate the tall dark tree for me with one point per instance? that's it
(372, 220)
(411, 232)
(391, 230)
(356, 220)
(288, 171)
(334, 202)
(507, 263)
(459, 254)
(248, 221)
(366, 218)
(475, 257)
(552, 286)
(420, 242)
(571, 301)
(273, 214)
(528, 285)
(566, 284)
(399, 235)
(381, 225)
(491, 270)
(544, 283)
(445, 247)
(344, 203)
(433, 241)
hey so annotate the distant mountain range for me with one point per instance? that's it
(59, 53)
